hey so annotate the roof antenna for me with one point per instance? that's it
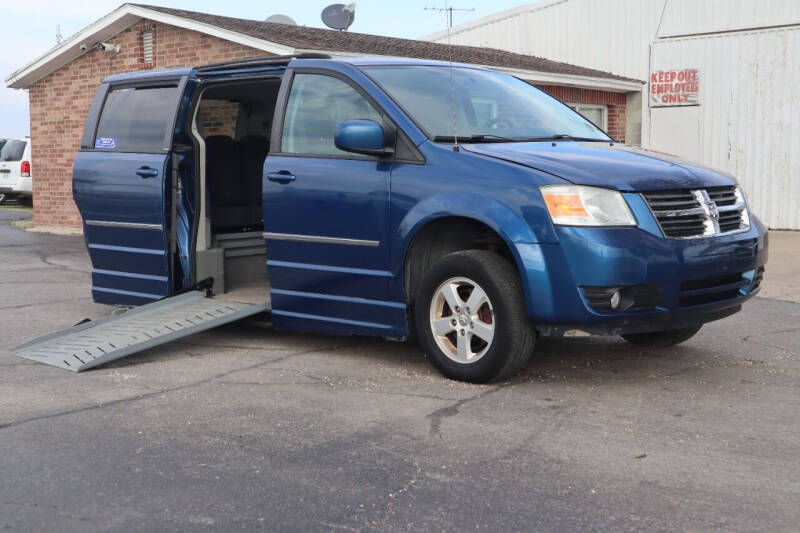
(59, 38)
(449, 11)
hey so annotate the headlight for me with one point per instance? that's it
(576, 205)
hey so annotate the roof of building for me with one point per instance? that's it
(288, 39)
(307, 38)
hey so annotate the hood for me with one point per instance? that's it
(602, 164)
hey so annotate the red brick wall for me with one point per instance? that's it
(60, 102)
(218, 117)
(615, 102)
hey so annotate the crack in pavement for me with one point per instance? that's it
(451, 410)
(393, 496)
(437, 416)
(163, 391)
(333, 383)
(50, 302)
(45, 258)
(749, 338)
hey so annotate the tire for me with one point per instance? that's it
(2, 198)
(662, 339)
(500, 317)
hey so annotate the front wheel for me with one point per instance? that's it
(471, 319)
(662, 339)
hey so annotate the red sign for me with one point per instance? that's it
(675, 87)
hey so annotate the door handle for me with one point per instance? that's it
(284, 176)
(147, 172)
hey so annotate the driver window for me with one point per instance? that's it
(317, 104)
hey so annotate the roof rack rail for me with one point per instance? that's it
(260, 60)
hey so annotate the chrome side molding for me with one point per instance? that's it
(131, 225)
(318, 239)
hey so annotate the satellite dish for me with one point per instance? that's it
(339, 16)
(281, 19)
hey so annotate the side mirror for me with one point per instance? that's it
(362, 137)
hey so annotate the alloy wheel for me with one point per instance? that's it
(462, 320)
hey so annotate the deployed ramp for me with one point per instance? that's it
(97, 342)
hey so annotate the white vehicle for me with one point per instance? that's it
(15, 170)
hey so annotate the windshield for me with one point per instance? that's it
(13, 150)
(487, 104)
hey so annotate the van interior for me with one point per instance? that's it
(232, 128)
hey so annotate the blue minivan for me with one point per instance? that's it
(404, 198)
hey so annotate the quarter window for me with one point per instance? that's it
(135, 119)
(13, 150)
(317, 104)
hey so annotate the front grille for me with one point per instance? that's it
(712, 289)
(691, 213)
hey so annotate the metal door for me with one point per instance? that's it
(325, 215)
(122, 184)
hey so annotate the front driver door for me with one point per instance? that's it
(121, 184)
(325, 215)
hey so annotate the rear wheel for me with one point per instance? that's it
(470, 317)
(662, 339)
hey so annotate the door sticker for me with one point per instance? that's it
(106, 143)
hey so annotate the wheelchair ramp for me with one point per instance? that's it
(97, 342)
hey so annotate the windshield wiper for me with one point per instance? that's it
(483, 138)
(566, 137)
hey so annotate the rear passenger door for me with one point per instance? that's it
(325, 213)
(121, 185)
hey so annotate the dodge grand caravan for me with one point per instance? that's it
(405, 198)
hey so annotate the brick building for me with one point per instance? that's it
(62, 83)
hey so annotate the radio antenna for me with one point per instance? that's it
(449, 14)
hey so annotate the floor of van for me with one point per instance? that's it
(254, 290)
(244, 268)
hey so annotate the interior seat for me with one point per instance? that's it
(223, 175)
(253, 150)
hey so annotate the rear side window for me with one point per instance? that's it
(135, 119)
(13, 150)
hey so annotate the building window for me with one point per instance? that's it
(148, 46)
(485, 109)
(597, 114)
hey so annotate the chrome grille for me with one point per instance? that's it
(692, 213)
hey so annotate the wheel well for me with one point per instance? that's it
(446, 235)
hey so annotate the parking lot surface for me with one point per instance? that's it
(245, 428)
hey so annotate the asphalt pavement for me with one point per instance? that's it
(246, 428)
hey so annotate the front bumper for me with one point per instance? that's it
(556, 275)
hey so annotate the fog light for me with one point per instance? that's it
(616, 298)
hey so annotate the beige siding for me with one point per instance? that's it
(747, 123)
(606, 35)
(614, 35)
(684, 17)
